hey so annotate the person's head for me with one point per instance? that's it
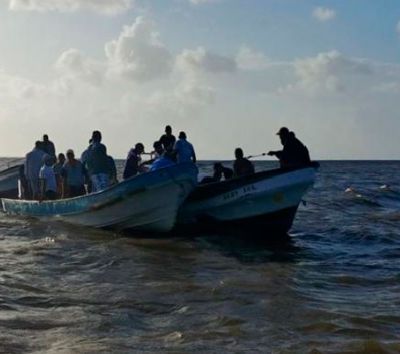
(139, 148)
(38, 145)
(158, 148)
(182, 135)
(61, 158)
(70, 155)
(168, 130)
(96, 136)
(90, 141)
(45, 138)
(239, 153)
(48, 160)
(283, 134)
(218, 167)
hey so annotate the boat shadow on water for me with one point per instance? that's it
(245, 246)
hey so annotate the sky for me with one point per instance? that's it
(229, 73)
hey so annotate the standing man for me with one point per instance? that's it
(73, 174)
(48, 146)
(47, 177)
(184, 150)
(132, 164)
(294, 152)
(97, 163)
(33, 163)
(168, 140)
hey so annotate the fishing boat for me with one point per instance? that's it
(147, 202)
(266, 201)
(9, 182)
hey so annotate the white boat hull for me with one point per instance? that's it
(147, 202)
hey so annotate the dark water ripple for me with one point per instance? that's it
(332, 287)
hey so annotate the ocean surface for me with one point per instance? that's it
(333, 286)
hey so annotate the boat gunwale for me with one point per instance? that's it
(109, 197)
(213, 189)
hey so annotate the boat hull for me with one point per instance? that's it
(148, 202)
(264, 202)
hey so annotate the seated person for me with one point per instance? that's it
(73, 174)
(242, 166)
(219, 171)
(165, 160)
(47, 179)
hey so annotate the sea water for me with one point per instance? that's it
(333, 286)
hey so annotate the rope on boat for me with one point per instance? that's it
(259, 155)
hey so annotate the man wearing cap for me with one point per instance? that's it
(294, 152)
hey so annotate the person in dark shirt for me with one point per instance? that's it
(168, 140)
(97, 164)
(242, 166)
(73, 173)
(48, 146)
(57, 171)
(294, 152)
(219, 171)
(132, 164)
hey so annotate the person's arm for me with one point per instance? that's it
(42, 185)
(193, 155)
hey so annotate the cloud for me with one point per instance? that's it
(107, 7)
(201, 2)
(72, 64)
(330, 71)
(138, 54)
(248, 59)
(324, 14)
(201, 60)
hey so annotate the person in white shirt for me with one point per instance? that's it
(47, 177)
(183, 150)
(33, 162)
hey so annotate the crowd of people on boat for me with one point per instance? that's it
(45, 175)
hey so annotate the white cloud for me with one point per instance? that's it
(312, 95)
(201, 2)
(330, 71)
(200, 59)
(107, 7)
(324, 14)
(248, 59)
(138, 54)
(72, 64)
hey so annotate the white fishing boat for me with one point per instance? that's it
(147, 202)
(9, 182)
(265, 201)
